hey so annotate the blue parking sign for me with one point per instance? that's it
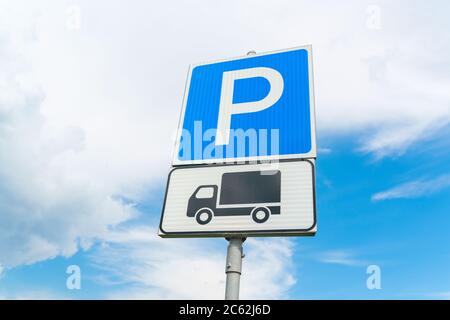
(258, 107)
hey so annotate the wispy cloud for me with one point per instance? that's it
(154, 268)
(414, 189)
(442, 295)
(341, 257)
(324, 151)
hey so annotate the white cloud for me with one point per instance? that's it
(341, 257)
(155, 268)
(324, 151)
(371, 84)
(49, 205)
(414, 189)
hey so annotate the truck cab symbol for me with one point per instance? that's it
(255, 193)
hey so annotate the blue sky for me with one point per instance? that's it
(89, 100)
(406, 237)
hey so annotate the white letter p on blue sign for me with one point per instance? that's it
(227, 108)
(230, 104)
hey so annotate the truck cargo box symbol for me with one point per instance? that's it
(255, 193)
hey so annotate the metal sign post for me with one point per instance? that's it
(233, 268)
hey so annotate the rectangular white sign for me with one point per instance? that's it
(230, 200)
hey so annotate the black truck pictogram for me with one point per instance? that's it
(255, 193)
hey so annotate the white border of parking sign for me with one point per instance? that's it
(311, 154)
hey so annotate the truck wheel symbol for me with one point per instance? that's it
(204, 216)
(260, 214)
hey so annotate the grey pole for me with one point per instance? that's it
(233, 268)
